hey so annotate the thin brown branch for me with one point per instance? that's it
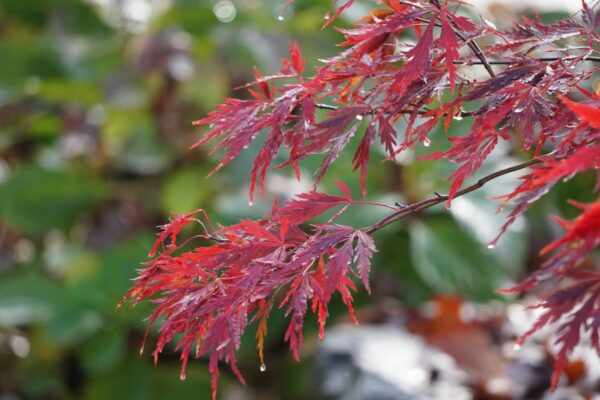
(470, 43)
(440, 198)
(511, 62)
(405, 111)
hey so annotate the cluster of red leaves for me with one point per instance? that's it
(415, 64)
(209, 294)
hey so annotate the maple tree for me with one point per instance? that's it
(235, 275)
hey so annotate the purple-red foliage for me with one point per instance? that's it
(211, 293)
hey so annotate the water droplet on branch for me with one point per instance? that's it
(263, 367)
(516, 347)
(491, 246)
(426, 142)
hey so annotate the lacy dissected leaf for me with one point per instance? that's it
(365, 247)
(362, 155)
(582, 236)
(450, 45)
(208, 296)
(587, 113)
(330, 18)
(419, 60)
(171, 230)
(546, 175)
(576, 312)
(306, 206)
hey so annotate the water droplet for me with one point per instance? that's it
(426, 142)
(359, 117)
(491, 246)
(458, 117)
(211, 126)
(263, 367)
(519, 109)
(182, 376)
(327, 16)
(250, 203)
(281, 18)
(489, 23)
(516, 347)
(246, 146)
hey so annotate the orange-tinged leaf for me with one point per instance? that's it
(588, 113)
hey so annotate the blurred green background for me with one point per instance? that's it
(96, 103)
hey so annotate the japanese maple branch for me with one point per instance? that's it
(323, 106)
(511, 62)
(439, 198)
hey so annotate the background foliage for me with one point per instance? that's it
(96, 101)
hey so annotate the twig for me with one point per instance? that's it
(323, 106)
(510, 62)
(439, 198)
(471, 43)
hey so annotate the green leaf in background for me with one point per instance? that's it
(34, 200)
(185, 191)
(104, 351)
(26, 298)
(27, 60)
(477, 214)
(118, 267)
(450, 261)
(139, 379)
(132, 381)
(70, 91)
(30, 12)
(72, 322)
